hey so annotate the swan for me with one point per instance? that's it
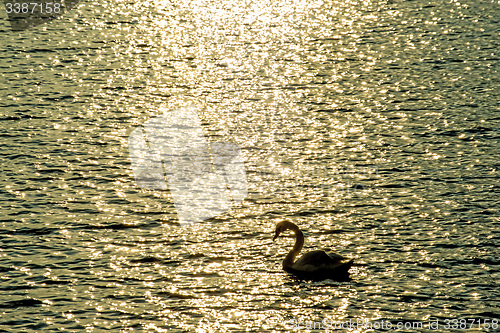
(314, 265)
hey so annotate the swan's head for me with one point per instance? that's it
(282, 226)
(279, 229)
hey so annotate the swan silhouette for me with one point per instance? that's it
(314, 265)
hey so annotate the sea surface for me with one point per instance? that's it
(373, 125)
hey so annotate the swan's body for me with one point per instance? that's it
(315, 265)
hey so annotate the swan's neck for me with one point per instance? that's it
(299, 242)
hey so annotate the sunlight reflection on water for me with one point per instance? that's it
(372, 125)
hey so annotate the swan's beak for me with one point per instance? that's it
(276, 235)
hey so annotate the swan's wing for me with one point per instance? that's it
(321, 260)
(335, 256)
(312, 261)
(319, 265)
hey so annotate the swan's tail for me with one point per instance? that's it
(346, 266)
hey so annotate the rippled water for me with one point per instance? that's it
(372, 125)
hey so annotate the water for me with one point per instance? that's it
(372, 125)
